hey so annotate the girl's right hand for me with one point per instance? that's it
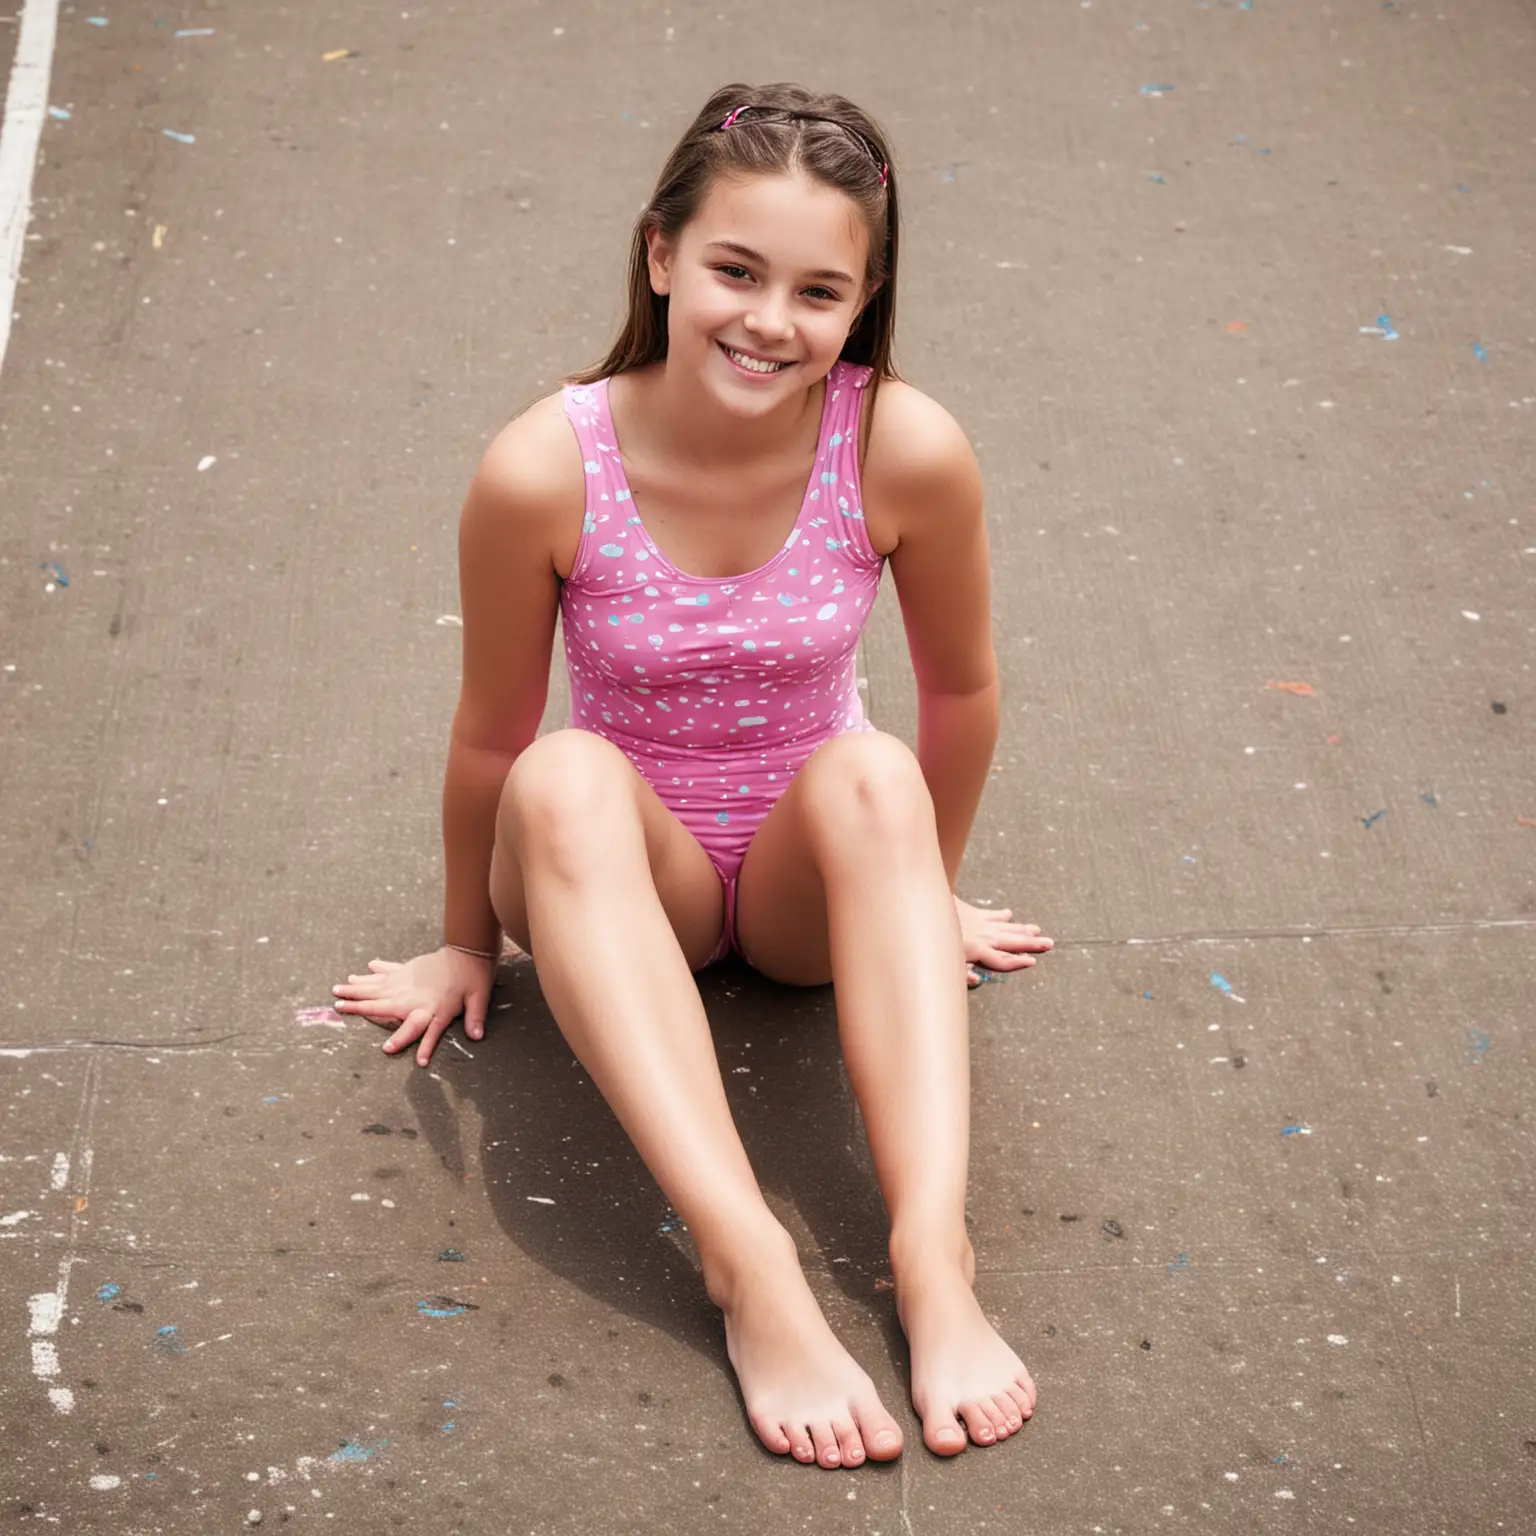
(422, 997)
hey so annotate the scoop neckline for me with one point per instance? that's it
(812, 481)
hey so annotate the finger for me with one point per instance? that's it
(475, 1006)
(1023, 943)
(379, 966)
(410, 1029)
(1006, 960)
(436, 1029)
(972, 976)
(372, 1010)
(370, 988)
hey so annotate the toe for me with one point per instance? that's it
(800, 1446)
(1023, 1404)
(1006, 1410)
(771, 1433)
(827, 1452)
(942, 1434)
(848, 1442)
(1025, 1384)
(979, 1422)
(880, 1433)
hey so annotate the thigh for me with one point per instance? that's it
(858, 785)
(572, 793)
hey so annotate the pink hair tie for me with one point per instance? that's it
(736, 112)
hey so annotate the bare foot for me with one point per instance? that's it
(805, 1394)
(962, 1371)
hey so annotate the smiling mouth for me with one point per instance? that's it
(752, 364)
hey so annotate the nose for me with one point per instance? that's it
(770, 319)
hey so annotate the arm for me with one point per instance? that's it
(940, 564)
(520, 495)
(509, 592)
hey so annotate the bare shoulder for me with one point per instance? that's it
(531, 475)
(919, 461)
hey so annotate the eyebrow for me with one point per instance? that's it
(830, 273)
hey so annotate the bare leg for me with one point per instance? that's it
(852, 879)
(580, 835)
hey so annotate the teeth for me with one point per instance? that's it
(752, 362)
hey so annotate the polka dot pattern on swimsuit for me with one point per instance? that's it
(718, 689)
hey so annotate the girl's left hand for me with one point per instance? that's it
(996, 942)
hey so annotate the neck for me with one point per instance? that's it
(687, 425)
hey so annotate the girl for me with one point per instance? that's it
(709, 512)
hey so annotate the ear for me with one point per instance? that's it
(659, 257)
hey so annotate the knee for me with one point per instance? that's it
(561, 792)
(870, 784)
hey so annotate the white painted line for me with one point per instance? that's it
(26, 105)
(60, 1170)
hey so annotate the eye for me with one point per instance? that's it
(732, 270)
(822, 293)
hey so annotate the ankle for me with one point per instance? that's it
(736, 1262)
(917, 1251)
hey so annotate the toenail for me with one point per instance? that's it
(885, 1441)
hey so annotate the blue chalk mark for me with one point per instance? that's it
(1155, 90)
(1370, 821)
(1221, 983)
(1158, 177)
(97, 21)
(62, 113)
(1146, 994)
(168, 1341)
(1180, 1261)
(56, 568)
(1430, 799)
(672, 1222)
(452, 1309)
(1461, 186)
(1293, 1130)
(181, 138)
(1388, 331)
(450, 1256)
(109, 1292)
(1479, 351)
(450, 1426)
(352, 1450)
(1478, 1046)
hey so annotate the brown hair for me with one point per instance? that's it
(794, 130)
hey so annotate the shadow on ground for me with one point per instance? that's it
(544, 1127)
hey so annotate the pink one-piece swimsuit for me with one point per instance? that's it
(718, 689)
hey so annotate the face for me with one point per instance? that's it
(764, 285)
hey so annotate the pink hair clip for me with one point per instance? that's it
(735, 113)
